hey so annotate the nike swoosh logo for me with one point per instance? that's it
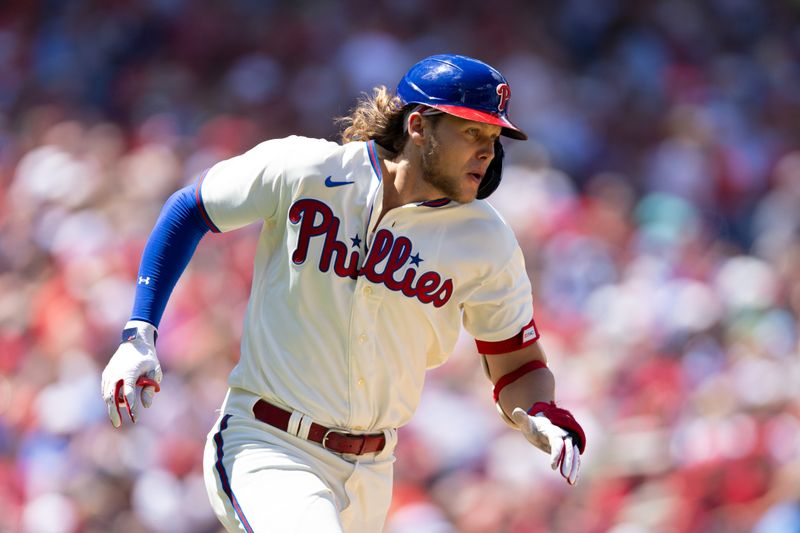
(330, 183)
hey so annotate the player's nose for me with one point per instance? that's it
(486, 151)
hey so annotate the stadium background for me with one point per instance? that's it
(658, 206)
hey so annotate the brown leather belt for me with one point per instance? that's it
(330, 439)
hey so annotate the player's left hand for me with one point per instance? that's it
(556, 432)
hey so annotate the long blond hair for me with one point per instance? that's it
(379, 117)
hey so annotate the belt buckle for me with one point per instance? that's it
(345, 435)
(325, 439)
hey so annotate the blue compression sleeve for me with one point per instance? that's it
(178, 230)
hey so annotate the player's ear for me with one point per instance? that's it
(417, 128)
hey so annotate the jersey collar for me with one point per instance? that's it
(441, 202)
(374, 161)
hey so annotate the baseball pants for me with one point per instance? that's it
(262, 479)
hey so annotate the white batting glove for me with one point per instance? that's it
(564, 447)
(132, 372)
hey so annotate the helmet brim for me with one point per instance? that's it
(509, 129)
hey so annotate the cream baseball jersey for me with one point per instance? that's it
(346, 313)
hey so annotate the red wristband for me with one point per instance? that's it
(514, 375)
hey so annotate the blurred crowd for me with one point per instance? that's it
(658, 206)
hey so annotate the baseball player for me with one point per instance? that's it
(373, 254)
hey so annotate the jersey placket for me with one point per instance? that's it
(363, 333)
(367, 299)
(362, 352)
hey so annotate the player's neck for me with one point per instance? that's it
(403, 183)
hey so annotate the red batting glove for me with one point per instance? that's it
(561, 418)
(560, 436)
(122, 380)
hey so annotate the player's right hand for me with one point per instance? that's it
(132, 373)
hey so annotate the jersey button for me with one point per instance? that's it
(367, 290)
(361, 382)
(362, 339)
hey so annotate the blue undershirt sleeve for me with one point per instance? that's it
(178, 230)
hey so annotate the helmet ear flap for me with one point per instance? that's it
(491, 180)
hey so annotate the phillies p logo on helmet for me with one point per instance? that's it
(505, 93)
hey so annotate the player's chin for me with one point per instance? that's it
(467, 198)
(469, 188)
(462, 191)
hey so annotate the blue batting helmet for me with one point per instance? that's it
(460, 86)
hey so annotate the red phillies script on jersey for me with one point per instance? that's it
(428, 287)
